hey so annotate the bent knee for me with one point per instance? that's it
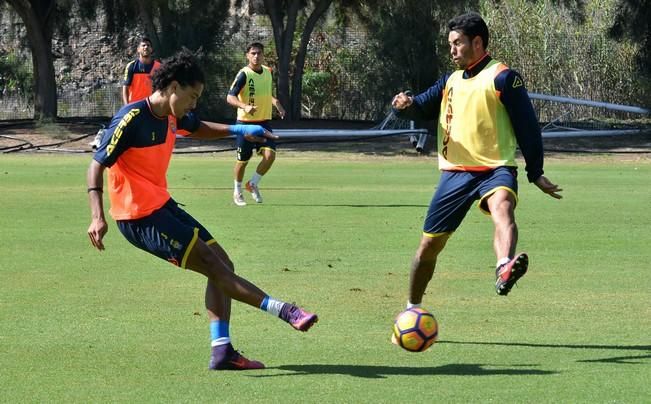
(430, 247)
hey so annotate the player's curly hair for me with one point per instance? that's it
(182, 67)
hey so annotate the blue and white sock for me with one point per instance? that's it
(272, 306)
(219, 333)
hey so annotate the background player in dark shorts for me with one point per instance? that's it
(252, 94)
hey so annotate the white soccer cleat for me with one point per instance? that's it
(255, 192)
(238, 198)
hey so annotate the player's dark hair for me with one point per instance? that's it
(145, 39)
(254, 45)
(181, 67)
(471, 25)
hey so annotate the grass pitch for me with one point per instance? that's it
(335, 234)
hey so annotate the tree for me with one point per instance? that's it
(38, 17)
(283, 15)
(404, 34)
(634, 21)
(195, 24)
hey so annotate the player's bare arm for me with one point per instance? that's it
(235, 102)
(125, 95)
(213, 130)
(279, 107)
(548, 187)
(98, 226)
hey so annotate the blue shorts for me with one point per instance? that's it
(245, 148)
(169, 233)
(456, 192)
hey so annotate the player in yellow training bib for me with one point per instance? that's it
(251, 93)
(483, 112)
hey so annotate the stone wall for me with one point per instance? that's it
(85, 60)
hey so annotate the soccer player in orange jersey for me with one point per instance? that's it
(137, 74)
(483, 110)
(136, 150)
(137, 79)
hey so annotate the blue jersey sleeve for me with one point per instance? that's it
(238, 84)
(128, 73)
(426, 105)
(515, 98)
(117, 137)
(189, 122)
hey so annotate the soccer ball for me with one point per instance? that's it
(415, 329)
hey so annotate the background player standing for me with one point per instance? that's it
(137, 79)
(252, 94)
(137, 73)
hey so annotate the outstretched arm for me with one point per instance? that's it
(95, 182)
(214, 130)
(424, 106)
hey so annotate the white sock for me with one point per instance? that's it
(411, 305)
(502, 261)
(238, 186)
(256, 178)
(220, 341)
(272, 306)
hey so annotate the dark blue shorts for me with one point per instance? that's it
(245, 148)
(456, 192)
(169, 233)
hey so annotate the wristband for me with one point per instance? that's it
(98, 189)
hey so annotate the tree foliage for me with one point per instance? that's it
(633, 21)
(195, 24)
(406, 34)
(198, 25)
(565, 51)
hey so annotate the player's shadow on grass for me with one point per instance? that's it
(625, 359)
(381, 372)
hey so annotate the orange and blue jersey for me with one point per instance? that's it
(137, 77)
(137, 148)
(482, 113)
(253, 88)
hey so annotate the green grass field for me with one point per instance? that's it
(336, 234)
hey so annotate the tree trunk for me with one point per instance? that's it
(284, 38)
(145, 11)
(37, 17)
(299, 63)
